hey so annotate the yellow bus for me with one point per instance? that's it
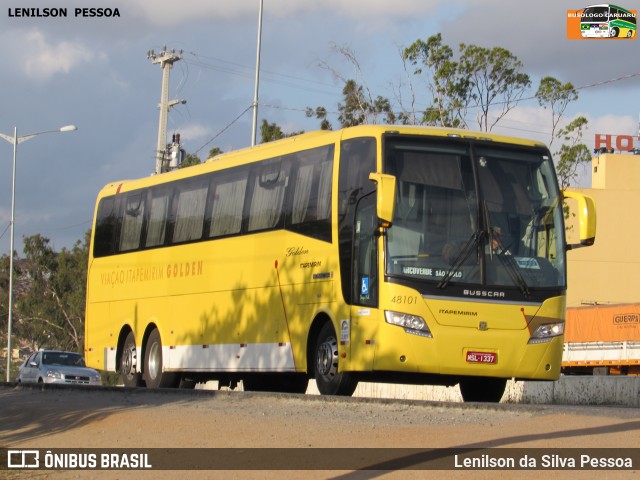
(374, 253)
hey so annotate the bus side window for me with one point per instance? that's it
(228, 202)
(191, 198)
(268, 193)
(310, 210)
(132, 218)
(105, 228)
(158, 213)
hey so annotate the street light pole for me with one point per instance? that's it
(254, 128)
(15, 140)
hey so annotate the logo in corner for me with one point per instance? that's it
(602, 21)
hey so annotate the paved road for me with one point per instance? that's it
(100, 418)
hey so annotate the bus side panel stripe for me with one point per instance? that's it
(110, 359)
(230, 357)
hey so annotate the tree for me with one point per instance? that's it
(215, 151)
(321, 114)
(354, 109)
(357, 108)
(572, 153)
(270, 132)
(4, 293)
(495, 80)
(34, 315)
(190, 159)
(489, 79)
(554, 95)
(360, 106)
(449, 90)
(49, 295)
(68, 289)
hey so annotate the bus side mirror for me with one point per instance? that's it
(386, 197)
(584, 208)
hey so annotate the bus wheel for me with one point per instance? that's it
(328, 379)
(153, 375)
(614, 32)
(129, 362)
(482, 389)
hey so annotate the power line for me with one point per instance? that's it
(5, 229)
(225, 128)
(247, 72)
(70, 227)
(612, 80)
(533, 97)
(250, 70)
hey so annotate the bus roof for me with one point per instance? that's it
(608, 5)
(302, 142)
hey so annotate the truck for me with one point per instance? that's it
(602, 339)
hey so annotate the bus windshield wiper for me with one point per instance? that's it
(509, 264)
(461, 257)
(507, 260)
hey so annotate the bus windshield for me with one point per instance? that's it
(474, 213)
(598, 14)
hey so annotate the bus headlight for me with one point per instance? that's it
(545, 333)
(411, 323)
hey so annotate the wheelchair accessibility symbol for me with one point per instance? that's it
(364, 287)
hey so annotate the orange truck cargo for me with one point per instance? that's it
(602, 339)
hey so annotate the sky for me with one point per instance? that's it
(93, 72)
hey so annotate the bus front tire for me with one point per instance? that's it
(129, 362)
(153, 375)
(328, 380)
(482, 389)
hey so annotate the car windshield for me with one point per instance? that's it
(63, 359)
(474, 213)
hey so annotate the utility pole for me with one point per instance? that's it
(257, 80)
(166, 60)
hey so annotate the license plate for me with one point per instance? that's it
(481, 357)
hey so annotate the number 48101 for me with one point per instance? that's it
(404, 299)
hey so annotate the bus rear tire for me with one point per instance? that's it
(482, 389)
(154, 377)
(129, 362)
(328, 380)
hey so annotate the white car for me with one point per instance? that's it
(53, 366)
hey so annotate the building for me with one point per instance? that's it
(609, 271)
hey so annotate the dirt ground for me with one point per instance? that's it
(53, 418)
